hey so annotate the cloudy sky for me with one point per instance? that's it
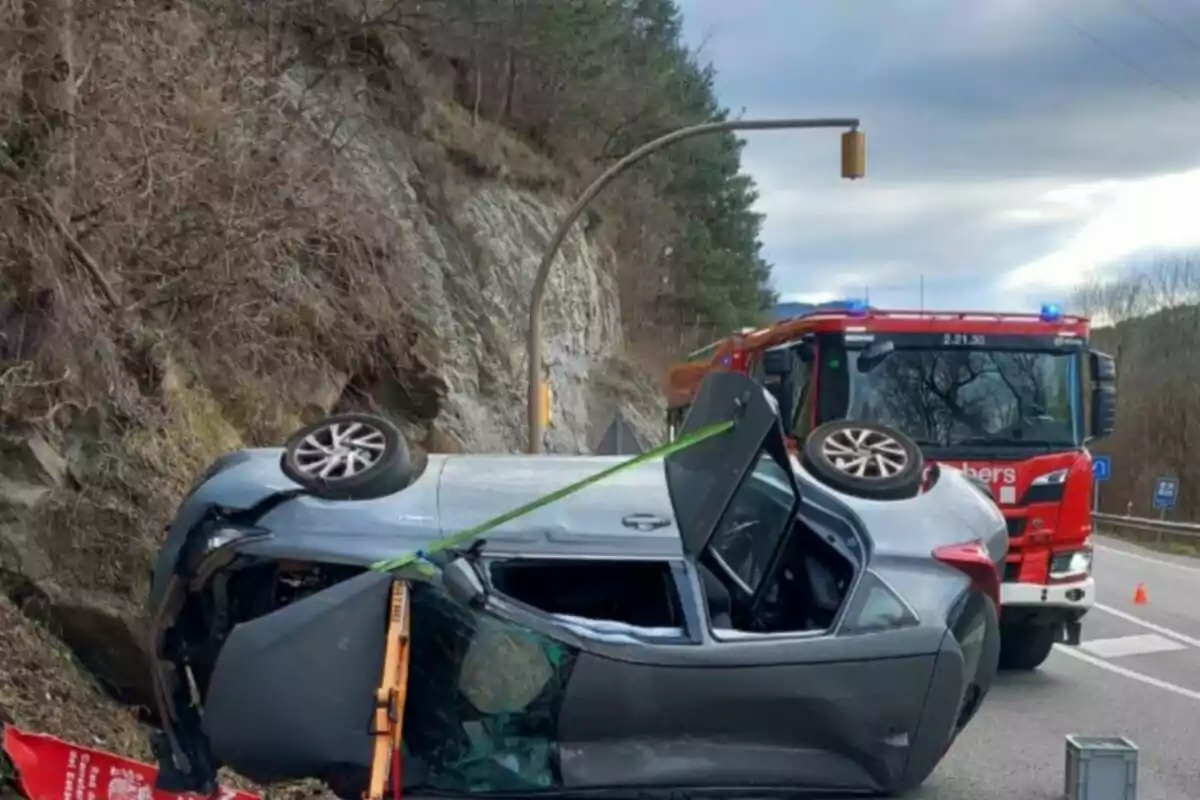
(1014, 145)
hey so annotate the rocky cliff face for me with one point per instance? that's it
(476, 248)
(434, 322)
(476, 273)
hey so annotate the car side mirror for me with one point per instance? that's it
(463, 583)
(1104, 394)
(1104, 367)
(778, 366)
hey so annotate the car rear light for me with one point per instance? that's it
(972, 559)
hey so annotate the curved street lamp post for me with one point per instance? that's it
(853, 167)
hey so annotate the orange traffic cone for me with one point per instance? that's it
(1139, 595)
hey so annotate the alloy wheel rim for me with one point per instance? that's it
(340, 450)
(865, 453)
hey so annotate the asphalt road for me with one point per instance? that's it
(1137, 675)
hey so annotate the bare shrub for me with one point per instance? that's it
(245, 266)
(1150, 321)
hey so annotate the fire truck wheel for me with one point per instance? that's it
(1025, 647)
(864, 460)
(348, 457)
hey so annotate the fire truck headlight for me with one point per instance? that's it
(1073, 564)
(1050, 478)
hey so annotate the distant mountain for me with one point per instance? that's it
(788, 310)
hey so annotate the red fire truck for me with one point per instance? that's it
(1012, 399)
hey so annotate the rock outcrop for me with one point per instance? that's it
(458, 387)
(419, 312)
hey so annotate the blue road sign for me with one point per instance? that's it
(1101, 467)
(1166, 491)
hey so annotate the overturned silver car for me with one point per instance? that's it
(716, 619)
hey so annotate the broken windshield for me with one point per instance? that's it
(483, 702)
(948, 397)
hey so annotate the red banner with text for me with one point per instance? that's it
(51, 769)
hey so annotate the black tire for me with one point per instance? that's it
(877, 482)
(387, 468)
(1024, 648)
(977, 610)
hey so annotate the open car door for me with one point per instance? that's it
(735, 494)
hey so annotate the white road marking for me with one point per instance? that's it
(1140, 557)
(1141, 644)
(1150, 626)
(1067, 650)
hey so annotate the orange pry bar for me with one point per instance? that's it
(392, 693)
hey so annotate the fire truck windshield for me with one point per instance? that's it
(947, 398)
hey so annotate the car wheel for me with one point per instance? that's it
(975, 626)
(348, 457)
(1026, 647)
(864, 460)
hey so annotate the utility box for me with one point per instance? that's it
(1101, 768)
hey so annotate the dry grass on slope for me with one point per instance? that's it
(43, 689)
(255, 276)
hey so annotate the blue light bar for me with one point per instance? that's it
(857, 308)
(1051, 312)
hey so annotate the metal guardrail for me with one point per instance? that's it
(1188, 532)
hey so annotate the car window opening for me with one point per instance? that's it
(485, 698)
(641, 594)
(804, 592)
(764, 570)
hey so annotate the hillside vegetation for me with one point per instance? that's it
(1150, 322)
(219, 220)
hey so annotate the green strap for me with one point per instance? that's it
(474, 532)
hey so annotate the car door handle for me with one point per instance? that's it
(645, 522)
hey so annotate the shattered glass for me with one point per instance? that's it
(484, 697)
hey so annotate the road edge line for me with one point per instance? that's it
(1150, 626)
(1128, 673)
